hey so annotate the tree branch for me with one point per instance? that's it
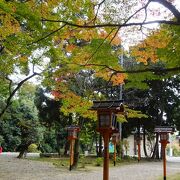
(11, 95)
(170, 7)
(138, 71)
(155, 70)
(99, 46)
(114, 35)
(99, 5)
(48, 35)
(113, 25)
(144, 7)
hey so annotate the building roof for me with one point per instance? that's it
(108, 105)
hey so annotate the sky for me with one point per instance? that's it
(130, 38)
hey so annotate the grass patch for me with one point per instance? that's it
(58, 162)
(85, 162)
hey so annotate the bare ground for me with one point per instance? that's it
(12, 168)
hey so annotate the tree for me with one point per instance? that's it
(61, 36)
(52, 119)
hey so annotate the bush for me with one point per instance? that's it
(1, 140)
(127, 157)
(33, 148)
(176, 150)
(99, 161)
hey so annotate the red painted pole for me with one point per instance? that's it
(71, 153)
(106, 156)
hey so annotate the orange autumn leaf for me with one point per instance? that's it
(116, 41)
(147, 50)
(103, 34)
(118, 78)
(70, 47)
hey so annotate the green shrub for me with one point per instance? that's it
(118, 159)
(1, 140)
(99, 161)
(33, 148)
(176, 150)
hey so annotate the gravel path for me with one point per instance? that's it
(12, 168)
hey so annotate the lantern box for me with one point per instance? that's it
(164, 137)
(164, 129)
(106, 113)
(107, 121)
(72, 132)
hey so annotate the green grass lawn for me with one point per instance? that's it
(85, 163)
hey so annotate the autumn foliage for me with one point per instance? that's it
(147, 49)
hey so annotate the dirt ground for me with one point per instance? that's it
(12, 168)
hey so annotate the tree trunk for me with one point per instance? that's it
(144, 141)
(77, 143)
(23, 149)
(58, 140)
(76, 154)
(21, 154)
(96, 144)
(92, 143)
(155, 154)
(66, 147)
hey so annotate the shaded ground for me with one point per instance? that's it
(12, 168)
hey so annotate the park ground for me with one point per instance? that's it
(12, 168)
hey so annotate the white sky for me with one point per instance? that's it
(130, 38)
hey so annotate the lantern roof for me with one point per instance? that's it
(165, 129)
(73, 127)
(108, 105)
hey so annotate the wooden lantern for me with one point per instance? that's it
(107, 125)
(106, 113)
(164, 139)
(72, 132)
(164, 133)
(72, 135)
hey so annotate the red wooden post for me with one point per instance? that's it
(106, 156)
(72, 135)
(72, 141)
(164, 159)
